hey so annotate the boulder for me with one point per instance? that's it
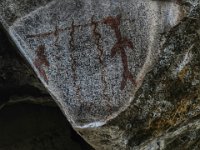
(124, 73)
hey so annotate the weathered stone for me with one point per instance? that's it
(123, 72)
(29, 118)
(92, 55)
(17, 80)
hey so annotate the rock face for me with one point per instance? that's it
(18, 81)
(125, 73)
(29, 118)
(92, 56)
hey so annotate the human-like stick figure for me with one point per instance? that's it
(120, 45)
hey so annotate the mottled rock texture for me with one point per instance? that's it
(29, 118)
(125, 73)
(91, 55)
(18, 82)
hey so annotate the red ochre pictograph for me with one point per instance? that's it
(119, 47)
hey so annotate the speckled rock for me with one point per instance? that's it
(125, 73)
(93, 55)
(18, 82)
(29, 118)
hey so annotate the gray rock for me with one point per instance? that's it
(29, 118)
(92, 56)
(18, 81)
(123, 72)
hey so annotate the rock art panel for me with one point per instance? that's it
(92, 55)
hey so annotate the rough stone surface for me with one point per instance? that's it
(29, 118)
(165, 111)
(91, 55)
(125, 73)
(18, 81)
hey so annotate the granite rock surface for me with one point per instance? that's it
(124, 73)
(29, 118)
